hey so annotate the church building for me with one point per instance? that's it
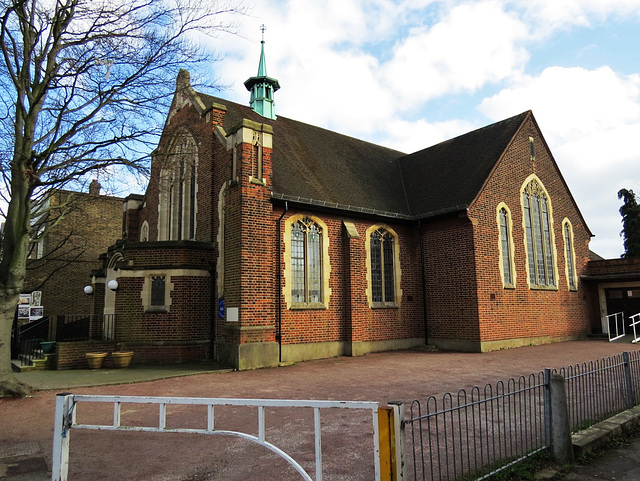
(264, 240)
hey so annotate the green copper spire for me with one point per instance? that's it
(262, 66)
(262, 87)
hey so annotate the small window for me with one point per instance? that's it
(532, 149)
(567, 231)
(144, 232)
(507, 268)
(157, 291)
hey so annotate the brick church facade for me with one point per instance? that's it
(263, 240)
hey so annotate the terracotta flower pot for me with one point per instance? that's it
(121, 359)
(95, 359)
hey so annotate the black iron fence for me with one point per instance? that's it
(479, 432)
(26, 340)
(599, 389)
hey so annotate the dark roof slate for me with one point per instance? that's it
(316, 166)
(320, 167)
(448, 176)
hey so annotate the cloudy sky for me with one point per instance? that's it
(410, 73)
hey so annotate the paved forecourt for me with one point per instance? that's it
(382, 377)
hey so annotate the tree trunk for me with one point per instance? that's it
(9, 384)
(13, 266)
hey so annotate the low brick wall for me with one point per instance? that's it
(71, 355)
(169, 353)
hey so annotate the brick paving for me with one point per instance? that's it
(382, 377)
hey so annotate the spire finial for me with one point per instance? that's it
(262, 87)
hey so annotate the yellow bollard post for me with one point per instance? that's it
(387, 444)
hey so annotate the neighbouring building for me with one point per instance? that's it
(615, 287)
(60, 263)
(261, 240)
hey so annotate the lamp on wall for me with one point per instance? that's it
(113, 285)
(88, 290)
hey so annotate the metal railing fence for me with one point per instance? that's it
(67, 411)
(25, 340)
(98, 327)
(635, 321)
(598, 389)
(477, 433)
(472, 434)
(615, 326)
(29, 350)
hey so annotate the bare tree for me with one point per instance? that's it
(83, 88)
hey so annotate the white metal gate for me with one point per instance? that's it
(66, 408)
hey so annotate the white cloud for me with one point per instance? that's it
(410, 137)
(577, 107)
(459, 53)
(591, 120)
(550, 15)
(330, 70)
(374, 69)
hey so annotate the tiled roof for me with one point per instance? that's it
(319, 167)
(449, 175)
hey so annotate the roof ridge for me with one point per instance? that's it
(289, 119)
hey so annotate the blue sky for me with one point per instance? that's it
(408, 74)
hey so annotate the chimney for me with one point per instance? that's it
(94, 187)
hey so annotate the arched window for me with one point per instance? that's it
(536, 209)
(144, 232)
(383, 267)
(306, 262)
(382, 286)
(570, 263)
(507, 267)
(178, 188)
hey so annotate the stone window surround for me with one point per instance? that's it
(554, 254)
(165, 217)
(145, 294)
(147, 274)
(397, 271)
(144, 232)
(570, 249)
(326, 264)
(512, 265)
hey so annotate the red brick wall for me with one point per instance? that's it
(71, 355)
(249, 252)
(449, 270)
(614, 266)
(348, 316)
(200, 128)
(523, 312)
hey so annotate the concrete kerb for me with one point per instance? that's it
(45, 380)
(598, 435)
